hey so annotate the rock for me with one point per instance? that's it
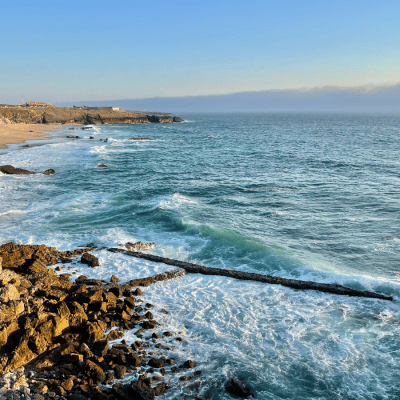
(156, 362)
(160, 389)
(78, 315)
(102, 166)
(136, 391)
(9, 292)
(21, 356)
(93, 371)
(49, 172)
(1, 264)
(11, 310)
(114, 279)
(116, 291)
(100, 348)
(138, 292)
(67, 385)
(37, 343)
(188, 364)
(10, 170)
(120, 371)
(238, 389)
(109, 378)
(90, 260)
(76, 396)
(93, 332)
(115, 334)
(149, 324)
(97, 394)
(177, 119)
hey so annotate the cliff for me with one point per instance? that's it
(82, 115)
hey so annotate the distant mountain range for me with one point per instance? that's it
(385, 98)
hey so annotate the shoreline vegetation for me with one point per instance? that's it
(30, 122)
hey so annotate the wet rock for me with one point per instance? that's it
(120, 371)
(116, 291)
(49, 172)
(149, 324)
(136, 390)
(238, 389)
(102, 166)
(10, 170)
(100, 348)
(156, 362)
(114, 279)
(138, 292)
(188, 364)
(177, 119)
(90, 260)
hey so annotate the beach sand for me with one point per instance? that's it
(19, 133)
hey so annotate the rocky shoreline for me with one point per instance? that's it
(56, 334)
(79, 115)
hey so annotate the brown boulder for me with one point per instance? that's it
(9, 292)
(49, 172)
(120, 371)
(90, 260)
(10, 170)
(21, 356)
(93, 371)
(78, 315)
(11, 310)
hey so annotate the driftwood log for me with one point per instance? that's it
(275, 280)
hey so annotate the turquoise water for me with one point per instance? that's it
(308, 196)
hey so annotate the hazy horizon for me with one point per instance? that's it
(95, 51)
(366, 98)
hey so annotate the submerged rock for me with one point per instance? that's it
(49, 172)
(238, 389)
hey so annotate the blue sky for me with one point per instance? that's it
(94, 50)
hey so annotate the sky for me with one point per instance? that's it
(102, 50)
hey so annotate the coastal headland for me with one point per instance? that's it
(29, 122)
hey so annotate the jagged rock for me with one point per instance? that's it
(97, 394)
(188, 364)
(76, 396)
(102, 166)
(149, 324)
(94, 371)
(90, 260)
(67, 385)
(10, 170)
(120, 371)
(238, 389)
(37, 343)
(49, 172)
(114, 279)
(156, 362)
(177, 119)
(78, 315)
(9, 292)
(11, 310)
(136, 390)
(134, 360)
(160, 389)
(138, 292)
(21, 356)
(109, 378)
(116, 291)
(100, 348)
(93, 332)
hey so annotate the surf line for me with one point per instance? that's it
(274, 280)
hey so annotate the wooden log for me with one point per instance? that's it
(275, 280)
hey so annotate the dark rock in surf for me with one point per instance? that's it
(177, 119)
(10, 170)
(90, 260)
(102, 166)
(239, 389)
(49, 172)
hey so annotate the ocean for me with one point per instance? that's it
(303, 196)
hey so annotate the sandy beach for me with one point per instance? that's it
(19, 133)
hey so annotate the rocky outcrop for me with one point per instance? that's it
(10, 170)
(59, 331)
(81, 115)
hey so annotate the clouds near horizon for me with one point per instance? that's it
(97, 50)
